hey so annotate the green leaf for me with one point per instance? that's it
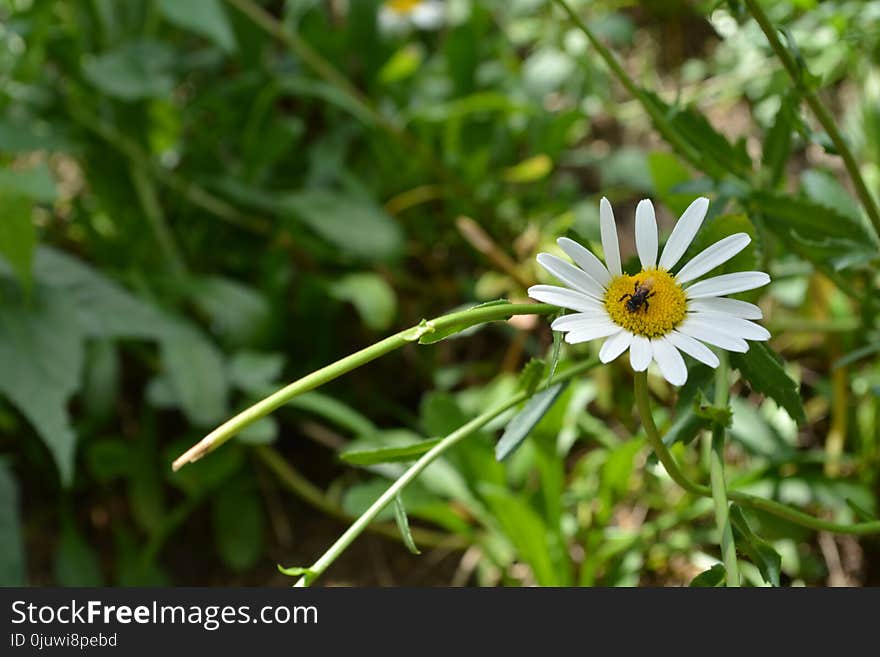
(777, 142)
(35, 183)
(823, 188)
(238, 520)
(262, 432)
(764, 371)
(18, 237)
(76, 562)
(239, 314)
(440, 414)
(807, 218)
(667, 172)
(356, 227)
(134, 71)
(402, 64)
(12, 560)
(526, 530)
(692, 126)
(531, 374)
(759, 551)
(371, 296)
(715, 576)
(296, 571)
(685, 428)
(523, 422)
(431, 335)
(255, 372)
(205, 17)
(529, 170)
(403, 525)
(333, 410)
(374, 456)
(197, 375)
(41, 361)
(861, 512)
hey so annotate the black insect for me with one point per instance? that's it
(641, 293)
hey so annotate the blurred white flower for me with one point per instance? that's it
(655, 314)
(397, 16)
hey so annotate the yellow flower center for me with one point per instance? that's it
(650, 303)
(402, 6)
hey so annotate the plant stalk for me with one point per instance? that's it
(716, 477)
(463, 319)
(416, 469)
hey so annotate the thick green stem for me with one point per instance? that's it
(821, 112)
(416, 469)
(769, 506)
(716, 477)
(447, 323)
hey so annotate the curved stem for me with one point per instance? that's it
(446, 324)
(716, 475)
(416, 469)
(819, 110)
(769, 506)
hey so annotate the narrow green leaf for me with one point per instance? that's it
(388, 454)
(18, 238)
(355, 226)
(861, 512)
(197, 374)
(761, 553)
(764, 371)
(521, 425)
(715, 576)
(403, 525)
(205, 17)
(372, 297)
(531, 374)
(432, 335)
(296, 571)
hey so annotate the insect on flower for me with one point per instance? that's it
(655, 313)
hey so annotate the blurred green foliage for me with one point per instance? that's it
(203, 200)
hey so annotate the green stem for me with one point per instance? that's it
(659, 119)
(716, 477)
(823, 115)
(416, 469)
(446, 323)
(769, 506)
(152, 208)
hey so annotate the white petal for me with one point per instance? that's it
(599, 328)
(727, 284)
(646, 234)
(711, 334)
(564, 298)
(585, 260)
(713, 256)
(670, 361)
(615, 345)
(571, 322)
(684, 232)
(571, 275)
(609, 237)
(693, 348)
(740, 328)
(427, 15)
(640, 353)
(734, 307)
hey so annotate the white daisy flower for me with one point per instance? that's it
(656, 313)
(396, 16)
